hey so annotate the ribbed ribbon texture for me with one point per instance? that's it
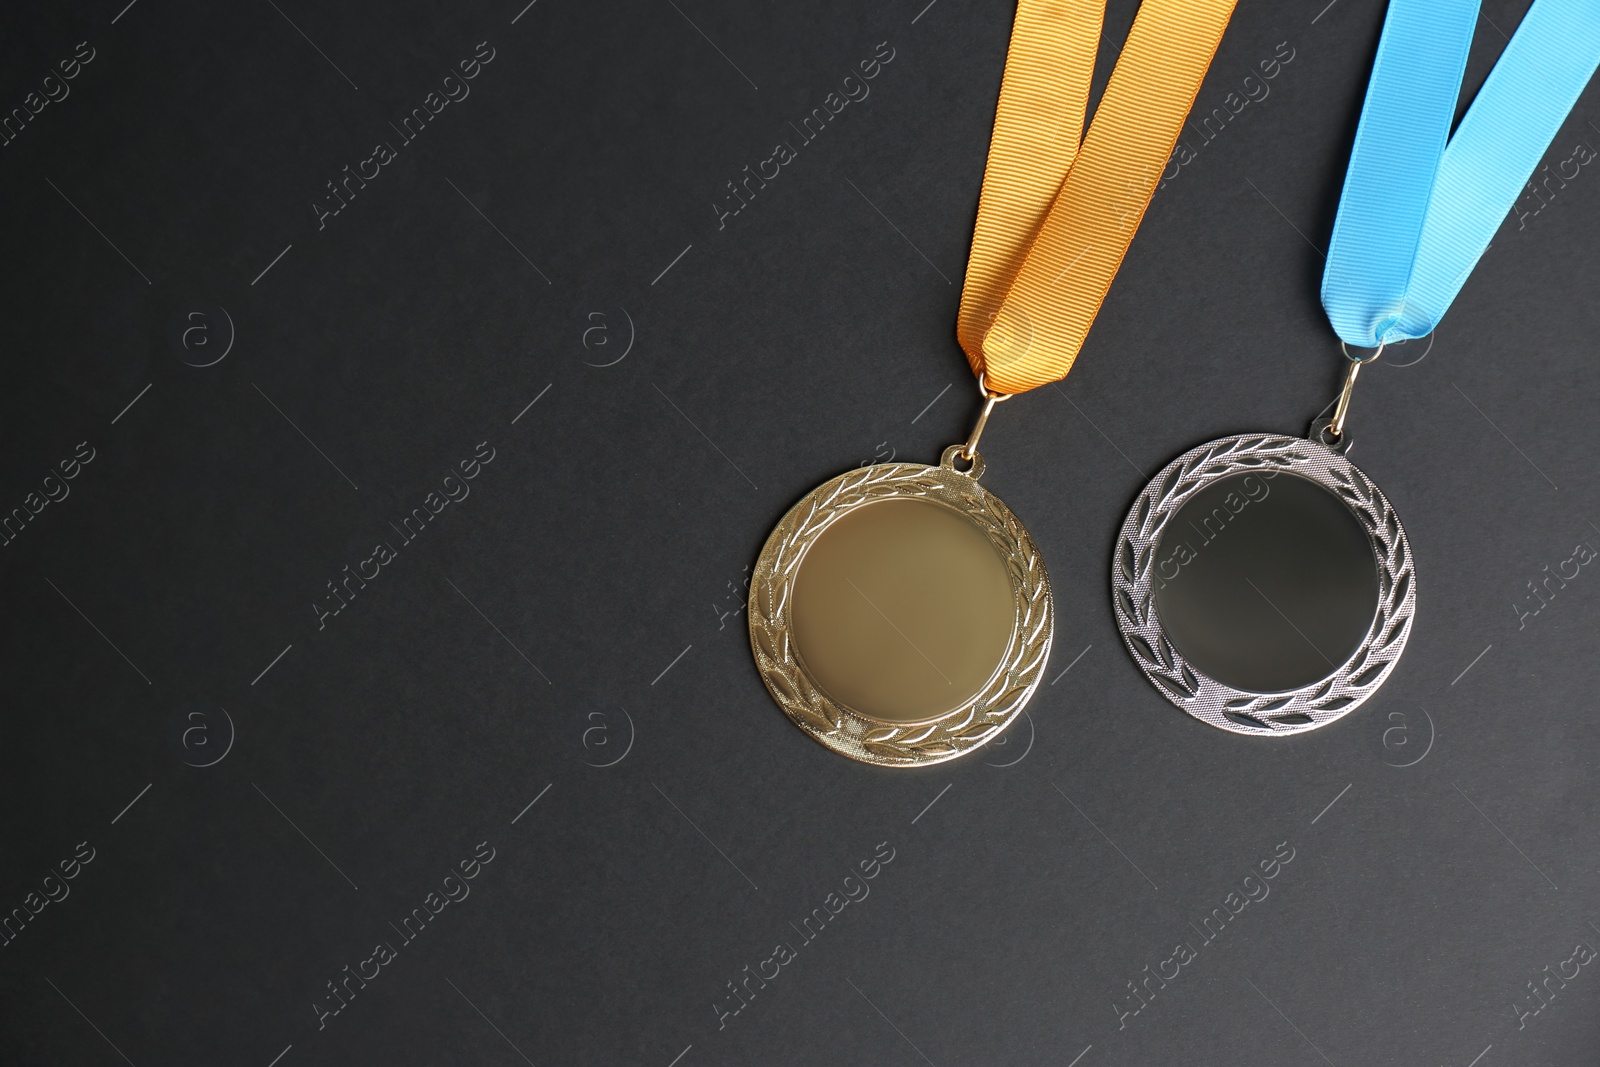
(1419, 206)
(1055, 218)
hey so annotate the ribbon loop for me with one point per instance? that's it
(1419, 206)
(1056, 217)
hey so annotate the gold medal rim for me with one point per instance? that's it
(842, 728)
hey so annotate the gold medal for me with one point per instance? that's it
(901, 614)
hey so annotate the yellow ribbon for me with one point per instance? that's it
(1055, 217)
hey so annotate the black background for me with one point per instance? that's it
(607, 541)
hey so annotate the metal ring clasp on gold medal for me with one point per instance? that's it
(900, 614)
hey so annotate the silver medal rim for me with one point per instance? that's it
(1236, 710)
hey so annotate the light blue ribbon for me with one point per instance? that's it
(1419, 206)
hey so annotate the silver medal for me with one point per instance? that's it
(1264, 584)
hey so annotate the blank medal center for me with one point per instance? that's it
(902, 611)
(1265, 582)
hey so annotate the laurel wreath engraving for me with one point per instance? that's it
(1133, 588)
(842, 728)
